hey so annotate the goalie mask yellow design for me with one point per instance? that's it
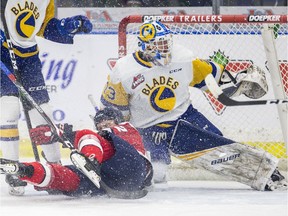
(147, 32)
(156, 42)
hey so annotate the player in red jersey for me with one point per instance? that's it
(117, 148)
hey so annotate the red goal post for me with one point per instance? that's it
(246, 39)
(192, 19)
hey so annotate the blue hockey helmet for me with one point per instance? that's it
(108, 113)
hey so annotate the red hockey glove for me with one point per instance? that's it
(42, 135)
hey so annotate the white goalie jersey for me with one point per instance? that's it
(152, 94)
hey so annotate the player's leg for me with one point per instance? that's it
(33, 82)
(155, 141)
(157, 138)
(9, 133)
(197, 119)
(46, 177)
(121, 166)
(9, 137)
(127, 169)
(236, 161)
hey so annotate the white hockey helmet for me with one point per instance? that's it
(156, 41)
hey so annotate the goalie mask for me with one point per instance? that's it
(156, 42)
(107, 117)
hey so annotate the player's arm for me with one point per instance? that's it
(202, 68)
(63, 31)
(251, 82)
(115, 95)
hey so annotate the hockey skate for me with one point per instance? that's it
(276, 182)
(88, 166)
(12, 170)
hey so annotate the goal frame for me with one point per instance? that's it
(217, 19)
(267, 36)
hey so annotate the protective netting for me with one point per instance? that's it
(243, 43)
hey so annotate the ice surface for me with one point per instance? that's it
(178, 198)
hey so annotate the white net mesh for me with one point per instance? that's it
(243, 43)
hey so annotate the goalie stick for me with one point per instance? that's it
(77, 158)
(16, 71)
(224, 99)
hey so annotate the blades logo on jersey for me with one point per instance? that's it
(161, 93)
(163, 99)
(26, 18)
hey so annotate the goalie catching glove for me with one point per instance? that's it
(251, 82)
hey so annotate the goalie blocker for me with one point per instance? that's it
(235, 161)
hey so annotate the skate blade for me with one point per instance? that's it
(16, 191)
(80, 162)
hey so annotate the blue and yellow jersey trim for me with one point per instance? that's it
(192, 156)
(141, 61)
(165, 125)
(50, 13)
(115, 95)
(23, 52)
(9, 133)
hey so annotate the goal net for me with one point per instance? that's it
(241, 38)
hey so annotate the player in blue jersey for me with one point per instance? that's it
(25, 20)
(151, 88)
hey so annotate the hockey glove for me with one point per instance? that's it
(43, 134)
(106, 134)
(75, 24)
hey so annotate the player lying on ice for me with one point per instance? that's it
(117, 151)
(25, 21)
(151, 88)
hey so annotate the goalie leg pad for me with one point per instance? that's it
(241, 163)
(249, 165)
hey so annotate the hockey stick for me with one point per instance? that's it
(93, 102)
(16, 71)
(89, 169)
(91, 99)
(224, 99)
